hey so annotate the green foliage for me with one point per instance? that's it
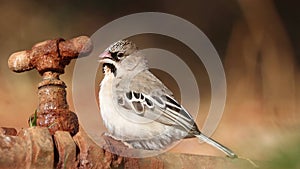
(32, 120)
(287, 157)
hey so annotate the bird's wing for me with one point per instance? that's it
(145, 82)
(148, 97)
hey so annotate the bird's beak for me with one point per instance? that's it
(104, 56)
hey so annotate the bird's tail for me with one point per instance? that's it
(219, 146)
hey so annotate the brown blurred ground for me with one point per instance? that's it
(258, 42)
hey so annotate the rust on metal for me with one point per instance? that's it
(49, 58)
(8, 131)
(66, 149)
(31, 148)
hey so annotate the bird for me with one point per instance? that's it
(137, 108)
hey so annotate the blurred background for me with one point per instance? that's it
(258, 42)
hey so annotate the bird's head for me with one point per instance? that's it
(121, 57)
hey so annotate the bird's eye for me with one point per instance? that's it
(113, 54)
(120, 55)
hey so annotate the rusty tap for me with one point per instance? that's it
(49, 58)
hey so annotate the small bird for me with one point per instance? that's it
(137, 108)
